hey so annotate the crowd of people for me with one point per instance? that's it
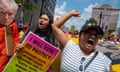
(76, 57)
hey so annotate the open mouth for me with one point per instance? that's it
(90, 42)
(41, 24)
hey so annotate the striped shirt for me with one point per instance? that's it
(72, 55)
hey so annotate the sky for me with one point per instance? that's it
(84, 7)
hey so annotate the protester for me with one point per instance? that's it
(82, 57)
(43, 30)
(8, 9)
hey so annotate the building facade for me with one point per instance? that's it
(42, 6)
(106, 16)
(30, 16)
(49, 6)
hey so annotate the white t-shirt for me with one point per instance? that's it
(72, 55)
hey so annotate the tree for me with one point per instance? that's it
(91, 20)
(28, 6)
(110, 31)
(25, 6)
(72, 28)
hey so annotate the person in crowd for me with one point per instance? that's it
(82, 57)
(20, 24)
(43, 30)
(23, 30)
(8, 10)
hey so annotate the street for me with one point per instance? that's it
(110, 50)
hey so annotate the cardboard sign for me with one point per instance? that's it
(35, 56)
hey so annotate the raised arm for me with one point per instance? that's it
(59, 34)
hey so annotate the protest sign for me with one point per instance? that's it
(35, 56)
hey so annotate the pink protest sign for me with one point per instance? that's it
(36, 55)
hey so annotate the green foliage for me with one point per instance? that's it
(27, 6)
(19, 1)
(91, 20)
(72, 28)
(110, 31)
(30, 7)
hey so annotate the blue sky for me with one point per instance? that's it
(85, 8)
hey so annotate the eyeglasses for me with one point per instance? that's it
(88, 33)
(81, 68)
(4, 13)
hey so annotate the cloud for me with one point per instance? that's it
(60, 10)
(87, 12)
(77, 22)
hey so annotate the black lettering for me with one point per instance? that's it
(22, 63)
(40, 69)
(48, 49)
(17, 70)
(21, 67)
(42, 61)
(31, 68)
(27, 53)
(38, 63)
(27, 57)
(28, 46)
(19, 57)
(37, 43)
(30, 39)
(41, 53)
(35, 66)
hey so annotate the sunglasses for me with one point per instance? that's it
(81, 68)
(88, 33)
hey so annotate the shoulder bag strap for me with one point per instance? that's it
(91, 59)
